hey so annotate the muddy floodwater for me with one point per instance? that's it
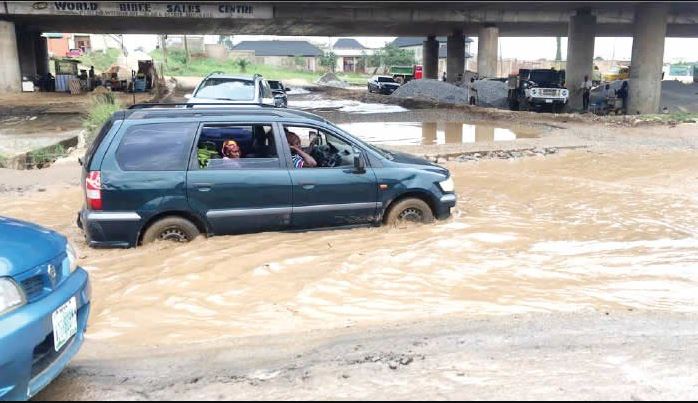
(576, 231)
(427, 133)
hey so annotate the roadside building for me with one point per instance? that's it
(64, 44)
(414, 44)
(349, 55)
(299, 55)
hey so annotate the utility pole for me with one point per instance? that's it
(163, 42)
(186, 50)
(558, 54)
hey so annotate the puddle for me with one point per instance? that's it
(578, 231)
(427, 133)
(343, 106)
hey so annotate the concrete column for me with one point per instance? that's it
(10, 77)
(41, 55)
(455, 55)
(26, 44)
(487, 47)
(580, 55)
(645, 83)
(454, 132)
(430, 57)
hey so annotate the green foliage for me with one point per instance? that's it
(243, 64)
(200, 66)
(44, 156)
(103, 106)
(299, 62)
(329, 61)
(101, 60)
(3, 161)
(390, 55)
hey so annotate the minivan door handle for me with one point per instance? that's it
(307, 185)
(203, 187)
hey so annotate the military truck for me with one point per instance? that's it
(536, 89)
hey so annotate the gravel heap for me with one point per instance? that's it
(331, 80)
(491, 94)
(432, 90)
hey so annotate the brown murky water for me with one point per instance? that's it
(570, 232)
(426, 133)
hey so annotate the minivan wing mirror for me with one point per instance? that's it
(359, 165)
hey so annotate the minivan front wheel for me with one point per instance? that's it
(410, 210)
(176, 229)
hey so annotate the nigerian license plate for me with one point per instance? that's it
(65, 323)
(548, 101)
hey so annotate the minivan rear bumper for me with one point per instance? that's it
(110, 229)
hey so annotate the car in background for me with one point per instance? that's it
(382, 84)
(279, 91)
(218, 87)
(44, 307)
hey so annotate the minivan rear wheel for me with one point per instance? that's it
(410, 210)
(176, 229)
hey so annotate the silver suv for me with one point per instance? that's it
(219, 87)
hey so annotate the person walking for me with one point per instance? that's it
(443, 78)
(622, 93)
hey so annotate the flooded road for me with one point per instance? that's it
(573, 232)
(427, 133)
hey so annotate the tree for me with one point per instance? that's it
(390, 55)
(242, 64)
(329, 61)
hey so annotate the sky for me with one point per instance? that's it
(531, 48)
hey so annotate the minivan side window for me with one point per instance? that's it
(236, 146)
(156, 147)
(328, 150)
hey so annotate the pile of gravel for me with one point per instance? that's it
(433, 90)
(331, 80)
(491, 93)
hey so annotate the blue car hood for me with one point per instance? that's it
(405, 158)
(24, 246)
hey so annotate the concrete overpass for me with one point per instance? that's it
(23, 51)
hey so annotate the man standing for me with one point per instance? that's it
(586, 91)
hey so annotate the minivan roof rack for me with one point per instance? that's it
(191, 106)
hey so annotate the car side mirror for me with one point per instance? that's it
(287, 89)
(187, 96)
(359, 165)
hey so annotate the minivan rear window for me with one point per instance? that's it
(156, 147)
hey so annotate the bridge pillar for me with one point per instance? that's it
(455, 55)
(487, 44)
(430, 58)
(41, 55)
(26, 50)
(580, 56)
(10, 77)
(645, 83)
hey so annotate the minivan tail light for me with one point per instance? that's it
(93, 190)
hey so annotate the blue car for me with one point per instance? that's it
(44, 306)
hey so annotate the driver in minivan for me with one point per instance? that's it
(300, 158)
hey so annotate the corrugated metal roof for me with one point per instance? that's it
(348, 43)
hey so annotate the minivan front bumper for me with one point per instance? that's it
(446, 202)
(28, 360)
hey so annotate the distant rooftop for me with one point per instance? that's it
(280, 48)
(348, 43)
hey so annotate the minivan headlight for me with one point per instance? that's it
(72, 257)
(11, 297)
(447, 185)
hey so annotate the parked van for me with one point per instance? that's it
(159, 172)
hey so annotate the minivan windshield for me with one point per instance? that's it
(383, 153)
(227, 88)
